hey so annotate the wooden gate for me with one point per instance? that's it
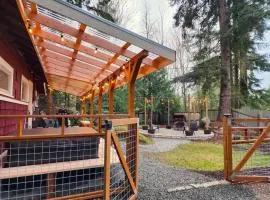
(124, 141)
(246, 149)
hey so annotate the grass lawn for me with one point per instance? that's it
(145, 140)
(204, 157)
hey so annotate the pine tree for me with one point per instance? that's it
(245, 24)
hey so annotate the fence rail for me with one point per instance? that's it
(70, 162)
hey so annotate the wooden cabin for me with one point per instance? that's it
(53, 45)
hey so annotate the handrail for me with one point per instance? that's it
(65, 116)
(52, 133)
(251, 119)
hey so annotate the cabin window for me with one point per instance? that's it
(24, 89)
(6, 78)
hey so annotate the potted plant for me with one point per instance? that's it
(145, 127)
(151, 130)
(206, 122)
(168, 126)
(188, 133)
(207, 131)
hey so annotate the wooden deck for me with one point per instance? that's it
(49, 168)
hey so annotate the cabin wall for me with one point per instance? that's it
(11, 105)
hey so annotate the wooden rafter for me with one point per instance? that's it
(75, 53)
(76, 57)
(52, 37)
(113, 59)
(97, 41)
(67, 52)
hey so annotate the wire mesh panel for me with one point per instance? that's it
(248, 149)
(123, 175)
(44, 169)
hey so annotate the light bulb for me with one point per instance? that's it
(62, 38)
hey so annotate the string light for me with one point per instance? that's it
(62, 37)
(124, 67)
(30, 28)
(96, 50)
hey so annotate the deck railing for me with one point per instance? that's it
(70, 162)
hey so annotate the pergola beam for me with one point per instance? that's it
(113, 59)
(65, 59)
(97, 41)
(105, 26)
(77, 45)
(68, 53)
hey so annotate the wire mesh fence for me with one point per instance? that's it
(52, 168)
(125, 144)
(247, 149)
(68, 166)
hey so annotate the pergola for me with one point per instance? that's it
(85, 55)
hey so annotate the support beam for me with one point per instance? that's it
(133, 73)
(111, 97)
(132, 137)
(100, 109)
(49, 102)
(81, 107)
(92, 108)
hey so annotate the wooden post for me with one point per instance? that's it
(81, 107)
(225, 145)
(49, 101)
(227, 135)
(62, 126)
(111, 97)
(132, 153)
(168, 112)
(206, 107)
(107, 164)
(50, 185)
(20, 127)
(229, 149)
(189, 114)
(145, 114)
(100, 109)
(92, 108)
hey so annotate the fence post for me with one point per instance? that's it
(62, 126)
(107, 164)
(20, 127)
(226, 142)
(229, 147)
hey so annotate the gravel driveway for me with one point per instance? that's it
(156, 178)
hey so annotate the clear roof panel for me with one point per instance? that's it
(58, 17)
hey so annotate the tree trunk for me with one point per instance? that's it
(225, 80)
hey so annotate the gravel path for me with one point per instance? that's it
(156, 178)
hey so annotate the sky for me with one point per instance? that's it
(157, 6)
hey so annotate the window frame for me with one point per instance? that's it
(6, 68)
(24, 80)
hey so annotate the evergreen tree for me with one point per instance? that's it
(245, 24)
(101, 7)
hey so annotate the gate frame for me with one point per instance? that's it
(229, 171)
